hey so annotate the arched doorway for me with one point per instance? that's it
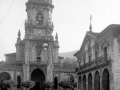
(55, 83)
(18, 81)
(79, 83)
(90, 81)
(97, 81)
(84, 82)
(4, 76)
(38, 77)
(105, 79)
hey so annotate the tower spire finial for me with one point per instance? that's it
(56, 37)
(19, 33)
(19, 38)
(90, 23)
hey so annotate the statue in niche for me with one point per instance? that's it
(39, 49)
(40, 18)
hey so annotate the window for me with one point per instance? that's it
(38, 59)
(96, 55)
(105, 52)
(84, 60)
(89, 58)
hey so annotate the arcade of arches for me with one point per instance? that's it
(94, 82)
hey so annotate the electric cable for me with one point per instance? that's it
(7, 12)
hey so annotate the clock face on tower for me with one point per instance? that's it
(39, 18)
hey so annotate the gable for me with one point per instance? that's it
(89, 41)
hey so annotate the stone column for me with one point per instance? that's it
(50, 63)
(93, 82)
(81, 82)
(26, 63)
(86, 82)
(100, 78)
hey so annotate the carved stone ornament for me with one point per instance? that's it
(96, 47)
(105, 44)
(39, 49)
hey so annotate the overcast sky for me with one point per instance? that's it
(71, 21)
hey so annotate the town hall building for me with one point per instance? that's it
(99, 60)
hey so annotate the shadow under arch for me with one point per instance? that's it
(90, 81)
(18, 81)
(97, 81)
(4, 76)
(38, 77)
(56, 83)
(105, 80)
(80, 83)
(84, 82)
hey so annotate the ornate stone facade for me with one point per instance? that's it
(101, 72)
(36, 56)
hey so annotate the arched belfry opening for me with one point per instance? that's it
(55, 83)
(38, 77)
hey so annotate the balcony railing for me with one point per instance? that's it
(98, 61)
(37, 62)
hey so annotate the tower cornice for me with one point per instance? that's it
(38, 4)
(40, 27)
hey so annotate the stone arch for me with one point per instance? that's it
(18, 81)
(5, 76)
(105, 79)
(38, 77)
(84, 82)
(56, 83)
(43, 69)
(97, 81)
(80, 83)
(90, 81)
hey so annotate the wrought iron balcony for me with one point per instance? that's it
(93, 63)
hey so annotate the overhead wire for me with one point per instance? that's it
(21, 24)
(7, 12)
(6, 15)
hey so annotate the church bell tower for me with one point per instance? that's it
(40, 47)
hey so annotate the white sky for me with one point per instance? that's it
(70, 17)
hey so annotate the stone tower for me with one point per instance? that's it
(41, 50)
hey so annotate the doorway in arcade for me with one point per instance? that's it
(38, 77)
